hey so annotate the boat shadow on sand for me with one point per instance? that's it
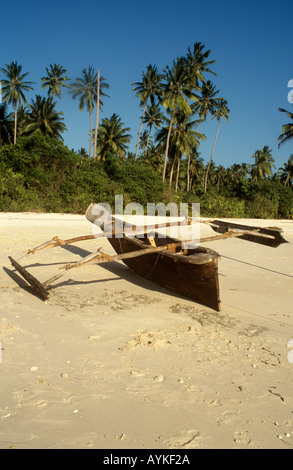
(118, 269)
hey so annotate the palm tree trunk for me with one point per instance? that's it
(177, 176)
(140, 129)
(167, 146)
(208, 168)
(147, 144)
(90, 149)
(172, 172)
(97, 116)
(188, 165)
(287, 182)
(15, 123)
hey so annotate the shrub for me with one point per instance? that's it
(216, 205)
(261, 207)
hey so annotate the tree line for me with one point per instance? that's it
(174, 103)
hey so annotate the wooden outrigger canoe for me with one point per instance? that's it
(168, 262)
(189, 272)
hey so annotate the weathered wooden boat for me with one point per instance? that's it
(191, 271)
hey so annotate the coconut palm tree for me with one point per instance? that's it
(221, 111)
(286, 172)
(112, 138)
(86, 89)
(263, 164)
(212, 174)
(287, 129)
(101, 84)
(183, 140)
(54, 80)
(174, 92)
(155, 157)
(196, 169)
(143, 143)
(153, 118)
(44, 118)
(22, 120)
(205, 103)
(197, 63)
(237, 173)
(221, 173)
(13, 88)
(148, 89)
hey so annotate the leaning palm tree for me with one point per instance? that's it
(13, 88)
(285, 173)
(86, 89)
(263, 164)
(54, 80)
(212, 174)
(221, 111)
(44, 118)
(287, 129)
(148, 89)
(174, 92)
(113, 138)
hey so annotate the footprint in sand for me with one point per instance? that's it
(228, 416)
(242, 437)
(41, 403)
(287, 438)
(187, 439)
(287, 435)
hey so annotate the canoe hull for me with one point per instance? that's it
(194, 275)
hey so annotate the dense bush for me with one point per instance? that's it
(42, 174)
(136, 178)
(216, 205)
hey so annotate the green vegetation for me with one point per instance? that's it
(39, 173)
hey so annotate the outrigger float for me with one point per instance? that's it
(172, 263)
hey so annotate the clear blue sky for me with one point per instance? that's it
(251, 42)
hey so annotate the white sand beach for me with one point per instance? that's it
(112, 361)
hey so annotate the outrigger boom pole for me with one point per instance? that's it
(267, 236)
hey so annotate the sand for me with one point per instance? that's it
(112, 361)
